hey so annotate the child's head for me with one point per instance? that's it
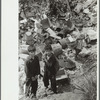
(32, 50)
(48, 50)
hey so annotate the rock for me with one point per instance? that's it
(23, 21)
(85, 52)
(70, 64)
(86, 11)
(75, 34)
(28, 33)
(94, 20)
(21, 61)
(22, 15)
(78, 7)
(92, 34)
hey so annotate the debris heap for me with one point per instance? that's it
(70, 28)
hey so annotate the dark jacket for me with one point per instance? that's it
(50, 65)
(32, 67)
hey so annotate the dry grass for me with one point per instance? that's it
(88, 88)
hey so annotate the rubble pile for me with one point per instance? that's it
(69, 27)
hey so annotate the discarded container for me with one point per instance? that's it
(72, 45)
(61, 74)
(22, 15)
(63, 43)
(57, 49)
(52, 33)
(61, 71)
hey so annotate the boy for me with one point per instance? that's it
(49, 69)
(32, 70)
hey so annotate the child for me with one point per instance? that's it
(32, 70)
(49, 69)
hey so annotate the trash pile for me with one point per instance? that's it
(69, 32)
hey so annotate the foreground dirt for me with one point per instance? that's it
(66, 89)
